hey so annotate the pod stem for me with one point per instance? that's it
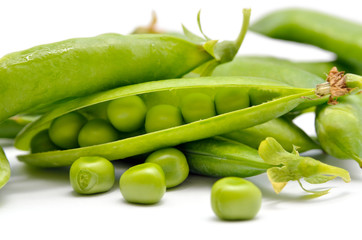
(4, 169)
(244, 28)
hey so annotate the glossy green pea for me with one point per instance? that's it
(234, 198)
(96, 131)
(89, 175)
(231, 99)
(197, 106)
(144, 183)
(64, 130)
(162, 117)
(41, 142)
(127, 114)
(173, 163)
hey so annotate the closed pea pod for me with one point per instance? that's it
(38, 77)
(4, 169)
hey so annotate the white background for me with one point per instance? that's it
(41, 204)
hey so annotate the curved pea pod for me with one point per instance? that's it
(283, 130)
(339, 128)
(221, 157)
(268, 67)
(4, 169)
(284, 100)
(307, 26)
(37, 77)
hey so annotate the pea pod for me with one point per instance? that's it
(4, 169)
(307, 26)
(283, 130)
(169, 92)
(220, 157)
(46, 74)
(279, 100)
(11, 127)
(339, 127)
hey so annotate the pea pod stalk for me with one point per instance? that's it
(221, 157)
(43, 75)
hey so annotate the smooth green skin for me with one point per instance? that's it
(90, 175)
(197, 106)
(284, 131)
(45, 74)
(173, 163)
(64, 130)
(162, 117)
(97, 131)
(269, 67)
(41, 142)
(234, 198)
(228, 100)
(289, 99)
(12, 126)
(222, 157)
(4, 169)
(319, 29)
(339, 127)
(127, 114)
(144, 184)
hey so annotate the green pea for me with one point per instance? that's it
(98, 110)
(41, 142)
(234, 198)
(89, 175)
(127, 114)
(197, 106)
(64, 130)
(231, 99)
(144, 183)
(161, 117)
(173, 163)
(97, 131)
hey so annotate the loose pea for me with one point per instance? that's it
(64, 130)
(231, 99)
(89, 175)
(144, 183)
(97, 131)
(41, 142)
(173, 163)
(127, 114)
(161, 117)
(234, 198)
(197, 106)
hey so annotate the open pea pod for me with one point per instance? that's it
(280, 100)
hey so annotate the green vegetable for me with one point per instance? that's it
(229, 99)
(173, 163)
(282, 100)
(234, 198)
(339, 128)
(64, 130)
(89, 175)
(307, 26)
(127, 114)
(4, 169)
(197, 106)
(96, 131)
(161, 117)
(12, 126)
(220, 157)
(144, 183)
(283, 130)
(43, 75)
(41, 142)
